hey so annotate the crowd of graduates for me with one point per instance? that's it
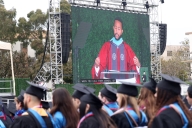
(157, 105)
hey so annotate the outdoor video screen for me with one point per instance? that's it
(110, 46)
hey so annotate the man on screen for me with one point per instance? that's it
(116, 54)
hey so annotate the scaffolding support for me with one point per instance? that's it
(154, 40)
(54, 68)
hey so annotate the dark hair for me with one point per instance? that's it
(149, 98)
(18, 101)
(108, 99)
(82, 108)
(119, 19)
(165, 97)
(189, 94)
(101, 116)
(62, 101)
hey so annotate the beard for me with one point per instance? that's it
(119, 36)
(25, 107)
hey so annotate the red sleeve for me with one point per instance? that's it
(103, 55)
(130, 64)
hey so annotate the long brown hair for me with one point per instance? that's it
(62, 101)
(129, 100)
(101, 116)
(165, 97)
(148, 97)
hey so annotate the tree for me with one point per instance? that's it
(1, 2)
(7, 24)
(21, 64)
(29, 31)
(65, 7)
(33, 29)
(176, 66)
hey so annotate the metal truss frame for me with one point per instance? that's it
(54, 68)
(114, 5)
(154, 40)
(134, 6)
(55, 42)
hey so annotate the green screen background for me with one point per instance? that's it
(101, 31)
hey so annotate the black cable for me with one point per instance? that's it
(47, 36)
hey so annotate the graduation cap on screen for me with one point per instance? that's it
(81, 89)
(128, 88)
(21, 96)
(189, 90)
(12, 107)
(109, 92)
(151, 85)
(38, 90)
(170, 83)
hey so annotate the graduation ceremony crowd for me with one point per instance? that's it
(156, 105)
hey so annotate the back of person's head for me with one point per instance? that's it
(166, 97)
(101, 116)
(168, 92)
(62, 101)
(189, 91)
(147, 97)
(108, 94)
(126, 100)
(106, 98)
(91, 103)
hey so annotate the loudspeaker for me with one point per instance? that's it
(162, 37)
(65, 36)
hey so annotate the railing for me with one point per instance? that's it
(7, 100)
(6, 87)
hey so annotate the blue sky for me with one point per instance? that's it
(175, 13)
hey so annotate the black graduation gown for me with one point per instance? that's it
(121, 120)
(28, 121)
(168, 118)
(90, 122)
(7, 122)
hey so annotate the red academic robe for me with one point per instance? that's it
(105, 60)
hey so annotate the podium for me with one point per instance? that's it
(119, 76)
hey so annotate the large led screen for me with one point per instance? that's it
(109, 45)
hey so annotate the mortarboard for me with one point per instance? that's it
(128, 88)
(170, 83)
(36, 90)
(151, 85)
(109, 92)
(45, 104)
(189, 90)
(81, 89)
(12, 107)
(91, 99)
(21, 96)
